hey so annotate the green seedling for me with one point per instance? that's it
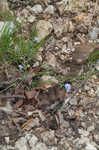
(94, 56)
(14, 48)
(5, 40)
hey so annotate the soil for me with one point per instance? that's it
(47, 116)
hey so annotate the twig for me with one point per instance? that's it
(10, 86)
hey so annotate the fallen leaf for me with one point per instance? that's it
(31, 94)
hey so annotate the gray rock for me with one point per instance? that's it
(31, 19)
(80, 141)
(36, 9)
(82, 52)
(50, 9)
(73, 101)
(90, 128)
(86, 87)
(25, 13)
(6, 147)
(53, 148)
(97, 65)
(21, 144)
(7, 139)
(49, 137)
(51, 60)
(90, 147)
(19, 19)
(33, 141)
(60, 27)
(44, 28)
(48, 81)
(93, 35)
(40, 146)
(64, 5)
(61, 7)
(83, 132)
(96, 137)
(91, 92)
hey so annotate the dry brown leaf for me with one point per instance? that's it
(31, 94)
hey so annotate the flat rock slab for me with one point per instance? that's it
(83, 52)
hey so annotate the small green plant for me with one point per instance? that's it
(14, 48)
(94, 56)
(5, 41)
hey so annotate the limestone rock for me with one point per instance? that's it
(44, 28)
(49, 137)
(21, 144)
(36, 9)
(50, 9)
(93, 35)
(60, 27)
(82, 52)
(47, 81)
(31, 19)
(40, 146)
(51, 60)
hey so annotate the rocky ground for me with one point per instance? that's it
(51, 117)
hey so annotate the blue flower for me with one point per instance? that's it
(67, 87)
(35, 38)
(20, 67)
